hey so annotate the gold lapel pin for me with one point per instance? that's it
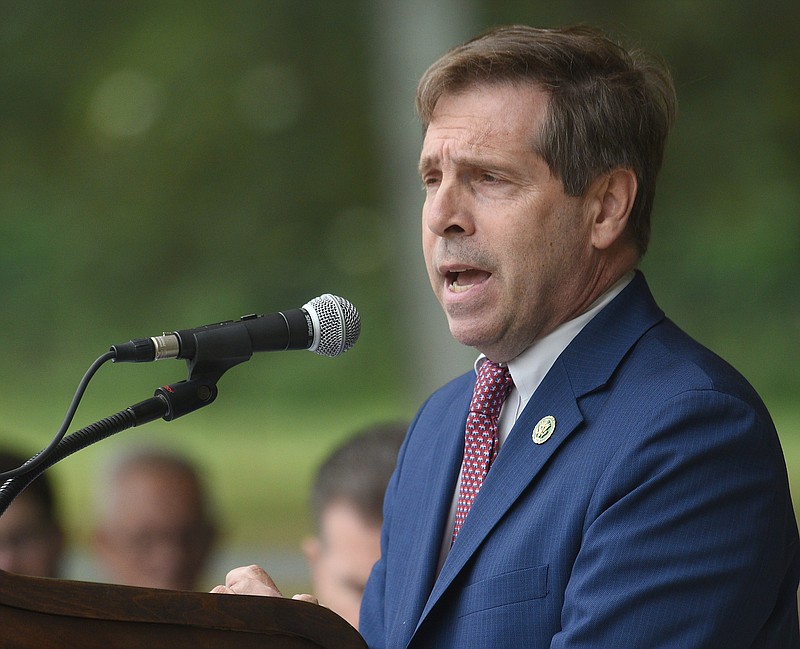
(544, 429)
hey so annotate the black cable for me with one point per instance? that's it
(44, 455)
(141, 413)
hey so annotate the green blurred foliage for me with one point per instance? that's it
(165, 164)
(169, 164)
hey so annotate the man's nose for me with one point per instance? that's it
(448, 211)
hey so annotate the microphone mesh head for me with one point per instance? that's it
(339, 324)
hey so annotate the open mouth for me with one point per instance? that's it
(459, 281)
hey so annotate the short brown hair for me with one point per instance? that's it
(608, 107)
(358, 471)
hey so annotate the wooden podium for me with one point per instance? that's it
(37, 613)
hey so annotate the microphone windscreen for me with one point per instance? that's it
(337, 322)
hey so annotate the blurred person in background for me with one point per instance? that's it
(154, 525)
(347, 510)
(31, 536)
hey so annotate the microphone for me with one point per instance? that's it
(328, 325)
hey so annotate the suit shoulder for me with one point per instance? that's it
(451, 390)
(678, 362)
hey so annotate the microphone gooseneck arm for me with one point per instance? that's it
(168, 403)
(135, 415)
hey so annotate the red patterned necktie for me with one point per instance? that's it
(480, 440)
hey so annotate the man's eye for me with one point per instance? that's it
(489, 178)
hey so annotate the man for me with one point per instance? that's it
(639, 497)
(155, 527)
(31, 535)
(347, 508)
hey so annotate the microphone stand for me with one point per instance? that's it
(214, 355)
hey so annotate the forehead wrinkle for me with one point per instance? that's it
(487, 132)
(467, 150)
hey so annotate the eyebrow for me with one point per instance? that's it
(494, 164)
(434, 161)
(425, 164)
(353, 584)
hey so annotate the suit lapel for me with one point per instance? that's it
(427, 494)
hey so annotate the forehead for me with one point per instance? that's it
(24, 512)
(485, 118)
(343, 526)
(155, 491)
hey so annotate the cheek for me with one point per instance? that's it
(428, 243)
(428, 253)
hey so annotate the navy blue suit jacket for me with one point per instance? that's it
(657, 515)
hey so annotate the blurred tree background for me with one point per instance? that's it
(169, 163)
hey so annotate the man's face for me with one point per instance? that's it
(29, 543)
(156, 534)
(341, 559)
(508, 253)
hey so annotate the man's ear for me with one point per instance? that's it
(611, 198)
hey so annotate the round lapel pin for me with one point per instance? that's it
(544, 429)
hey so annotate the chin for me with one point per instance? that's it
(467, 335)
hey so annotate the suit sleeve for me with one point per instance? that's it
(371, 618)
(660, 565)
(371, 624)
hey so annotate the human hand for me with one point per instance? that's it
(253, 580)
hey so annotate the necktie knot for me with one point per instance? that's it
(491, 389)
